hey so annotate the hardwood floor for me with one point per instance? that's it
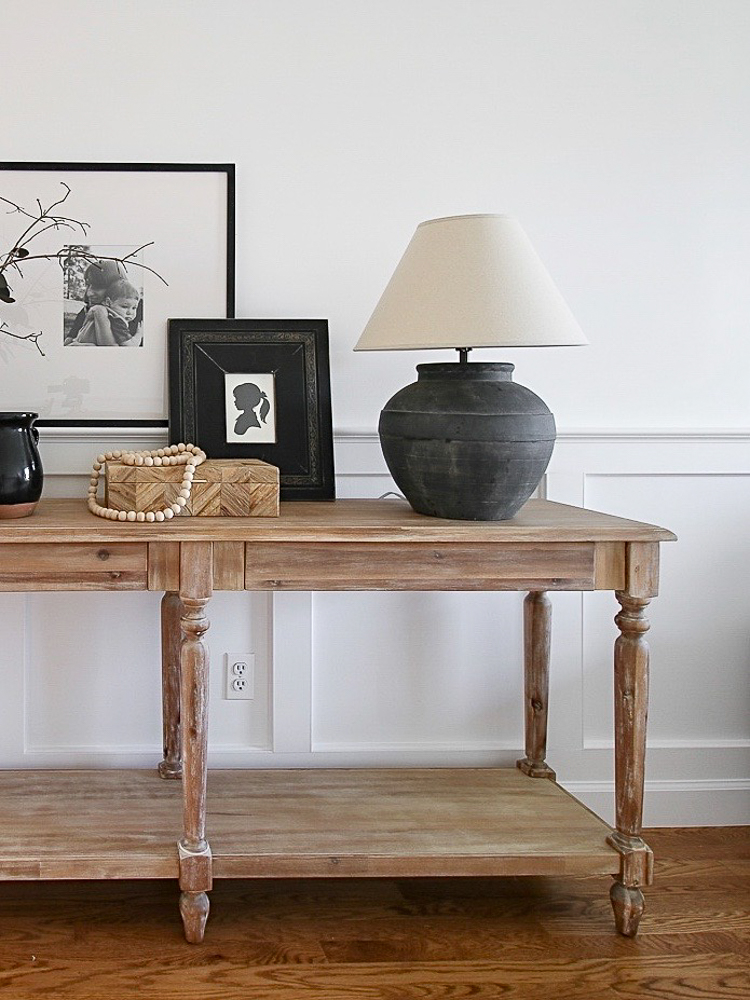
(404, 939)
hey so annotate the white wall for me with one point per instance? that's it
(616, 132)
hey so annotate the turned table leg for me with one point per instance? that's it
(196, 573)
(537, 632)
(171, 639)
(631, 710)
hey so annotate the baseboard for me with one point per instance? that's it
(719, 802)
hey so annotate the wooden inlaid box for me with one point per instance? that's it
(222, 487)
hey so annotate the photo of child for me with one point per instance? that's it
(103, 307)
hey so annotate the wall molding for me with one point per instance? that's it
(679, 802)
(65, 435)
(676, 744)
(601, 433)
(452, 747)
(151, 751)
(680, 785)
(597, 434)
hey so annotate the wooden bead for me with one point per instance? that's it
(188, 455)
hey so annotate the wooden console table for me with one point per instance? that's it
(387, 822)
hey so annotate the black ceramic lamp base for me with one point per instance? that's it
(466, 442)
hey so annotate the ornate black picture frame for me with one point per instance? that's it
(182, 215)
(256, 388)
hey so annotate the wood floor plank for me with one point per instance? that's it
(589, 979)
(725, 842)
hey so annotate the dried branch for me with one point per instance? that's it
(64, 254)
(44, 215)
(33, 337)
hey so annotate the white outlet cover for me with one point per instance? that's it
(247, 691)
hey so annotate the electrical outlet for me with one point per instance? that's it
(239, 676)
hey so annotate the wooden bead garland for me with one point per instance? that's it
(188, 455)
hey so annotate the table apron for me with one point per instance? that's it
(73, 566)
(423, 566)
(342, 565)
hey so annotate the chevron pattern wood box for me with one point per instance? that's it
(223, 487)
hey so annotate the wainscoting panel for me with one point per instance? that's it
(701, 623)
(91, 673)
(431, 679)
(424, 671)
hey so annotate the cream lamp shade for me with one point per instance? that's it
(470, 281)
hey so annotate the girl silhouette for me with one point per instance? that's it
(248, 398)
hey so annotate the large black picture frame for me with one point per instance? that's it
(290, 357)
(185, 212)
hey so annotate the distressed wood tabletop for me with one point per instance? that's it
(323, 521)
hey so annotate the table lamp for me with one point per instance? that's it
(464, 441)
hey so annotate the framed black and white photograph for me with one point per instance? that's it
(102, 255)
(256, 388)
(103, 300)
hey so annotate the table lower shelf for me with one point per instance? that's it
(278, 824)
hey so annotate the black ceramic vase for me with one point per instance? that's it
(464, 441)
(21, 474)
